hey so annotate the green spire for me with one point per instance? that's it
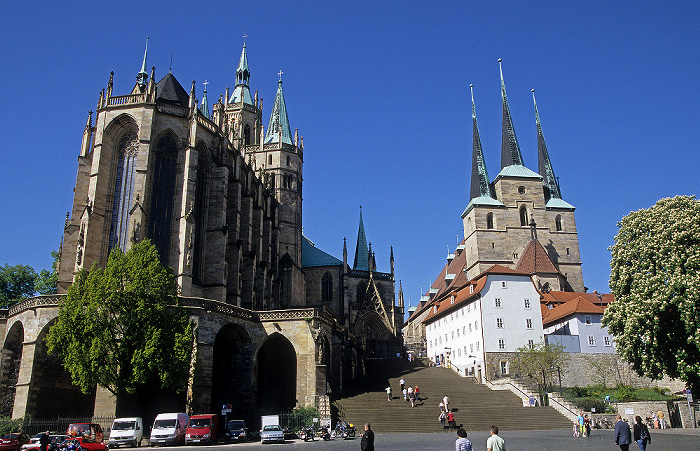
(510, 150)
(142, 77)
(545, 165)
(480, 177)
(361, 249)
(242, 89)
(204, 107)
(278, 128)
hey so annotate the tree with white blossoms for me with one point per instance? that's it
(655, 277)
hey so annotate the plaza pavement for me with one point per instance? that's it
(558, 440)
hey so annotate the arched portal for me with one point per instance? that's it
(277, 375)
(10, 360)
(232, 372)
(377, 338)
(52, 392)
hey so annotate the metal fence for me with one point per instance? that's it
(33, 426)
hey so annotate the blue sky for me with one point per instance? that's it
(380, 92)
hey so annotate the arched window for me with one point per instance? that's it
(327, 288)
(489, 221)
(162, 195)
(200, 209)
(246, 134)
(269, 160)
(557, 223)
(360, 292)
(523, 216)
(123, 196)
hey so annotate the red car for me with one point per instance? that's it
(85, 444)
(13, 442)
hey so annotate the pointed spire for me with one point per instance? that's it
(361, 249)
(241, 93)
(142, 77)
(480, 177)
(204, 107)
(278, 128)
(545, 165)
(510, 150)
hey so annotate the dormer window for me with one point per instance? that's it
(452, 299)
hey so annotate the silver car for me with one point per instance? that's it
(271, 433)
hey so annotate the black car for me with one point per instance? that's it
(235, 431)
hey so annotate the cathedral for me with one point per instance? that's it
(280, 323)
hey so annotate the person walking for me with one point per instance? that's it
(641, 433)
(367, 442)
(44, 441)
(495, 443)
(402, 383)
(442, 418)
(417, 391)
(446, 401)
(405, 394)
(388, 393)
(412, 398)
(587, 424)
(462, 443)
(581, 425)
(451, 420)
(623, 435)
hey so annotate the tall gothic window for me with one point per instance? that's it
(489, 221)
(523, 216)
(162, 195)
(327, 288)
(557, 223)
(200, 203)
(123, 196)
(246, 134)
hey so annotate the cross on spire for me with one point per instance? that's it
(244, 36)
(205, 85)
(280, 74)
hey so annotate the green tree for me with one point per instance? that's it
(542, 362)
(120, 327)
(16, 282)
(655, 277)
(46, 280)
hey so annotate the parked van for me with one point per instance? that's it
(126, 431)
(202, 429)
(169, 429)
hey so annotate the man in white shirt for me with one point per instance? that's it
(495, 443)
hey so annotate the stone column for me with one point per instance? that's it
(22, 407)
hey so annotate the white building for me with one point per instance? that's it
(475, 327)
(574, 321)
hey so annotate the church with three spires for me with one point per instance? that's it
(279, 323)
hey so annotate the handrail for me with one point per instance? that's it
(556, 401)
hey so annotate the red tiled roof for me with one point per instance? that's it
(535, 260)
(576, 305)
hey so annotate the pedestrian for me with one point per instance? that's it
(587, 424)
(581, 425)
(442, 418)
(405, 394)
(576, 432)
(495, 443)
(442, 406)
(44, 441)
(662, 422)
(641, 433)
(623, 435)
(412, 398)
(417, 391)
(451, 420)
(462, 443)
(388, 393)
(403, 383)
(446, 401)
(367, 442)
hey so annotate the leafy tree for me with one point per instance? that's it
(16, 282)
(541, 363)
(655, 277)
(121, 327)
(46, 280)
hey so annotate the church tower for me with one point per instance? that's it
(503, 217)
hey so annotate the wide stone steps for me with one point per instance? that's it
(474, 405)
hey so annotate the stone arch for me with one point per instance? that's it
(51, 392)
(277, 375)
(232, 374)
(10, 359)
(376, 336)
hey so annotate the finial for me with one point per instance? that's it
(205, 85)
(533, 90)
(280, 74)
(244, 36)
(471, 85)
(170, 70)
(499, 60)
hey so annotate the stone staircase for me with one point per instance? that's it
(475, 406)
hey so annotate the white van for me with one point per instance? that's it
(126, 431)
(169, 429)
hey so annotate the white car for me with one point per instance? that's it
(271, 433)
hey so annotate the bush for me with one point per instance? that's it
(589, 403)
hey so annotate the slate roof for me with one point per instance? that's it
(279, 122)
(535, 260)
(313, 256)
(170, 91)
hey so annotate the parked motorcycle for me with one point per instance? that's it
(344, 430)
(306, 433)
(323, 433)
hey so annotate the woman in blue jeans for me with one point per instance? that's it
(641, 433)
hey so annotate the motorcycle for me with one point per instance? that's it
(344, 430)
(306, 433)
(323, 433)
